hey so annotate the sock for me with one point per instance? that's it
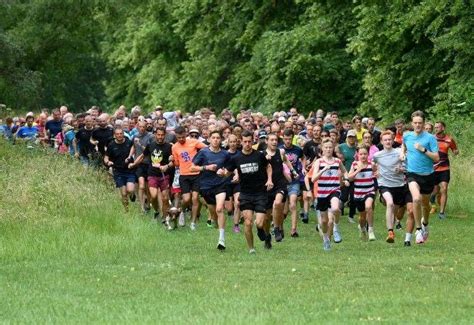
(371, 229)
(418, 229)
(408, 236)
(390, 230)
(336, 227)
(221, 234)
(236, 224)
(326, 237)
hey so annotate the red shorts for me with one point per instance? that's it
(163, 183)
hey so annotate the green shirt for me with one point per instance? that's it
(348, 153)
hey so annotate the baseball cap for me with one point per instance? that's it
(262, 134)
(351, 133)
(281, 119)
(194, 131)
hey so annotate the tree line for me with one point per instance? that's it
(381, 58)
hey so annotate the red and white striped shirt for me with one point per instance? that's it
(329, 181)
(363, 182)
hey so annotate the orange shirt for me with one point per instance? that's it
(315, 188)
(183, 155)
(444, 144)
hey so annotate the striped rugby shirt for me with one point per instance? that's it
(363, 182)
(329, 181)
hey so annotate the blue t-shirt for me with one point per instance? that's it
(68, 139)
(417, 161)
(6, 131)
(209, 179)
(27, 132)
(294, 155)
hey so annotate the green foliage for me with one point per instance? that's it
(414, 55)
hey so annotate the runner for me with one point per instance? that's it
(212, 183)
(420, 150)
(183, 152)
(328, 172)
(83, 147)
(141, 140)
(118, 157)
(294, 155)
(255, 175)
(391, 182)
(442, 169)
(362, 174)
(278, 194)
(159, 170)
(233, 184)
(346, 153)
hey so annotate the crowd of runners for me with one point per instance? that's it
(272, 167)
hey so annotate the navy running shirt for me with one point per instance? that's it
(209, 179)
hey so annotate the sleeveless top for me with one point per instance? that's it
(278, 178)
(363, 182)
(329, 181)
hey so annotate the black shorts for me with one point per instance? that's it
(398, 194)
(209, 195)
(360, 203)
(189, 183)
(443, 176)
(142, 171)
(233, 188)
(408, 197)
(256, 202)
(347, 193)
(325, 203)
(272, 196)
(425, 182)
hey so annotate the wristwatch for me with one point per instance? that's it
(424, 151)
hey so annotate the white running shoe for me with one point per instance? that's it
(371, 235)
(252, 251)
(181, 220)
(168, 224)
(351, 220)
(337, 236)
(221, 245)
(326, 245)
(192, 226)
(419, 237)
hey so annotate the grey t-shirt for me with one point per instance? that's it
(143, 140)
(387, 163)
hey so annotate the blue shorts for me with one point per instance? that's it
(122, 178)
(294, 188)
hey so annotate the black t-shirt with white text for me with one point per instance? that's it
(252, 169)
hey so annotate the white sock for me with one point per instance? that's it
(408, 236)
(221, 234)
(325, 237)
(336, 227)
(371, 229)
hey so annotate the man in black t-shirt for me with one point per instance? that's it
(255, 175)
(83, 148)
(159, 171)
(118, 157)
(102, 135)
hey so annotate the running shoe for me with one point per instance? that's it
(407, 244)
(156, 216)
(261, 234)
(426, 232)
(278, 236)
(305, 218)
(209, 224)
(294, 233)
(221, 245)
(371, 235)
(442, 216)
(252, 251)
(268, 242)
(327, 245)
(351, 219)
(337, 236)
(181, 220)
(419, 237)
(398, 226)
(391, 237)
(192, 226)
(236, 229)
(301, 215)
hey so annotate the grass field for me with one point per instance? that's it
(68, 254)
